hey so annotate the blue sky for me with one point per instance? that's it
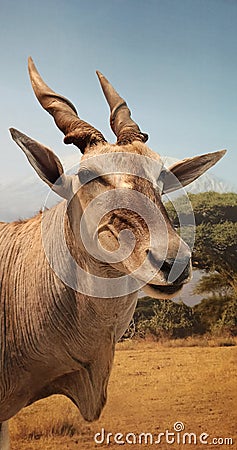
(175, 62)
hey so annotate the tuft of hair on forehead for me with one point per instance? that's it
(136, 147)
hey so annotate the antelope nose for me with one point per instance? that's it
(180, 271)
(175, 270)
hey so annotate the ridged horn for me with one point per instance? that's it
(76, 131)
(121, 123)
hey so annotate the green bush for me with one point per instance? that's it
(169, 319)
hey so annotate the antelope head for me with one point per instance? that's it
(114, 201)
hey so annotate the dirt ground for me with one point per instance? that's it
(153, 388)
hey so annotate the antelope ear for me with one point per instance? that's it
(184, 172)
(44, 161)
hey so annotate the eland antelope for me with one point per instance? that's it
(69, 277)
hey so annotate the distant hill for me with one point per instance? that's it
(25, 197)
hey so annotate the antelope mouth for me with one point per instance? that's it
(169, 290)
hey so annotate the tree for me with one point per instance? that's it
(216, 232)
(208, 207)
(209, 312)
(216, 313)
(216, 249)
(215, 284)
(228, 321)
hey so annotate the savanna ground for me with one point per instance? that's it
(153, 386)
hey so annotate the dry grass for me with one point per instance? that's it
(152, 386)
(200, 341)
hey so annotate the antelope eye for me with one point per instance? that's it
(86, 175)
